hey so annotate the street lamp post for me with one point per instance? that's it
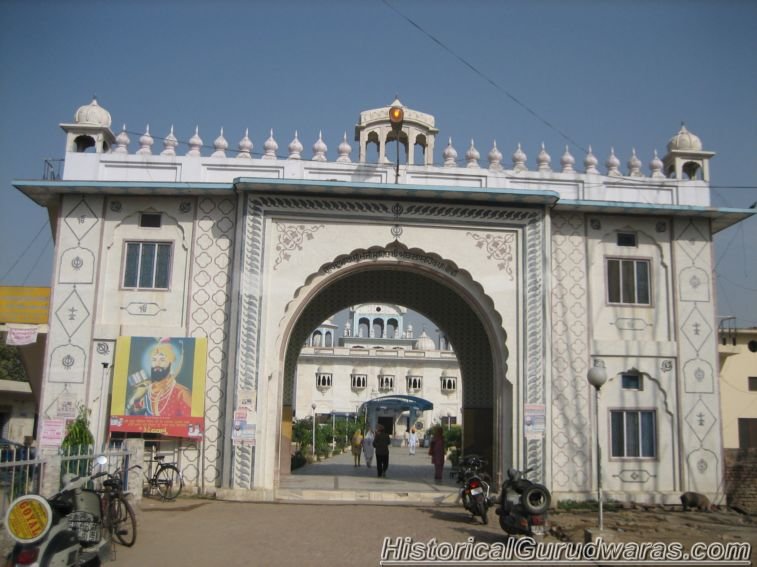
(597, 377)
(449, 420)
(313, 406)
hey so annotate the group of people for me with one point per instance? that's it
(371, 444)
(379, 442)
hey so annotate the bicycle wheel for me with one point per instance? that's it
(168, 481)
(124, 522)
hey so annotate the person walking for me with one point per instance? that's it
(368, 447)
(412, 441)
(436, 450)
(381, 443)
(357, 446)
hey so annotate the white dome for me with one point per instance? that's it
(685, 141)
(424, 342)
(92, 114)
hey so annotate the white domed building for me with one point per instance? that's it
(377, 356)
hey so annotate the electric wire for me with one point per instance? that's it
(39, 257)
(25, 250)
(485, 77)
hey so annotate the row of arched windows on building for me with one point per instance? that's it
(413, 383)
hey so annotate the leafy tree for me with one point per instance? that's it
(77, 432)
(10, 364)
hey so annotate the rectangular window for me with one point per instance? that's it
(753, 383)
(149, 220)
(631, 382)
(628, 281)
(633, 434)
(626, 239)
(147, 265)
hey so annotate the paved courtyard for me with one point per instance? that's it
(194, 531)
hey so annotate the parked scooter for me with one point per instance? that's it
(475, 488)
(523, 505)
(64, 530)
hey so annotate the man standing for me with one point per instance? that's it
(381, 443)
(412, 441)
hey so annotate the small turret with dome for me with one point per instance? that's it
(90, 129)
(424, 342)
(685, 158)
(374, 127)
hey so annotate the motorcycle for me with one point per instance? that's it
(63, 530)
(523, 505)
(475, 488)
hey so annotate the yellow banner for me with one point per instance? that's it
(24, 304)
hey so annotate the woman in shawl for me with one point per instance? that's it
(436, 450)
(368, 447)
(357, 446)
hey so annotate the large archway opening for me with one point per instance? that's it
(471, 326)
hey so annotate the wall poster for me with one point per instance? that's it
(159, 386)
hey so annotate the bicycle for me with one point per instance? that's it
(167, 479)
(119, 518)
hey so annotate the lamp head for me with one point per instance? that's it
(597, 376)
(396, 117)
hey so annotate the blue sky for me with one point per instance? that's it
(606, 73)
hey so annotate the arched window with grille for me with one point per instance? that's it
(414, 383)
(359, 381)
(449, 384)
(386, 382)
(323, 380)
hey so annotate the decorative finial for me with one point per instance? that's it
(319, 148)
(295, 147)
(472, 156)
(450, 155)
(519, 160)
(567, 161)
(344, 150)
(544, 159)
(169, 144)
(270, 146)
(195, 143)
(245, 146)
(495, 158)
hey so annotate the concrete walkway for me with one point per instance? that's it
(409, 479)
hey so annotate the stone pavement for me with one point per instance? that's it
(409, 479)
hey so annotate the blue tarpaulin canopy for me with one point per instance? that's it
(397, 403)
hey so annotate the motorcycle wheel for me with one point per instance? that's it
(481, 509)
(535, 499)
